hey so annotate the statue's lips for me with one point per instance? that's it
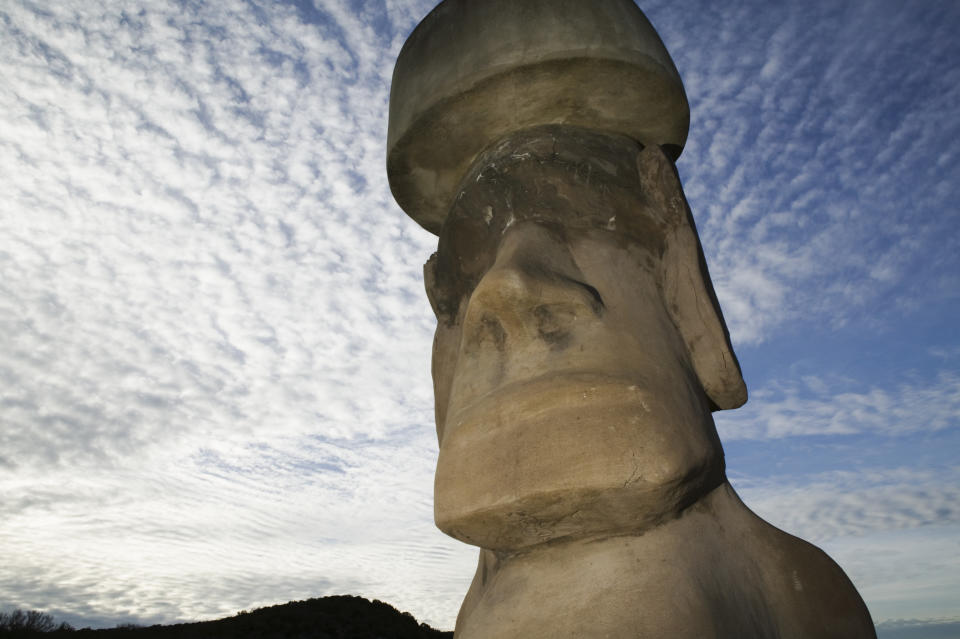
(567, 455)
(560, 396)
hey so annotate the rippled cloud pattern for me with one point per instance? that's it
(214, 343)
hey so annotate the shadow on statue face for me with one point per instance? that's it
(567, 401)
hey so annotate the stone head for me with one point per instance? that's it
(579, 349)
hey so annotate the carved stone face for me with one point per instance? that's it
(567, 399)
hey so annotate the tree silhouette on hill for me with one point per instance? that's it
(337, 617)
(29, 622)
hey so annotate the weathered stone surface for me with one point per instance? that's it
(579, 354)
(567, 357)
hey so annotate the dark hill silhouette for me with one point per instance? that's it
(338, 617)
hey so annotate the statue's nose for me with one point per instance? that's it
(533, 292)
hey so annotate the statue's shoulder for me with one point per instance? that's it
(814, 596)
(808, 594)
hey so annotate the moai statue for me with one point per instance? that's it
(580, 349)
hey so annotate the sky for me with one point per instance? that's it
(214, 343)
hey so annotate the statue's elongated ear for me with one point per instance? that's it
(430, 284)
(688, 291)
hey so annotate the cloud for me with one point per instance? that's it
(818, 158)
(950, 353)
(182, 264)
(213, 336)
(829, 406)
(918, 629)
(828, 505)
(231, 528)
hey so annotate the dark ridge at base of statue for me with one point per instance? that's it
(580, 350)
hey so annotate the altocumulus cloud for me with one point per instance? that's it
(811, 406)
(213, 338)
(918, 629)
(215, 384)
(817, 166)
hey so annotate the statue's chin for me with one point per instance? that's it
(571, 458)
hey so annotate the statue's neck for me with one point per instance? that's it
(580, 587)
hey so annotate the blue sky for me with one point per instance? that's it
(214, 342)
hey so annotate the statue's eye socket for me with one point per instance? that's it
(473, 231)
